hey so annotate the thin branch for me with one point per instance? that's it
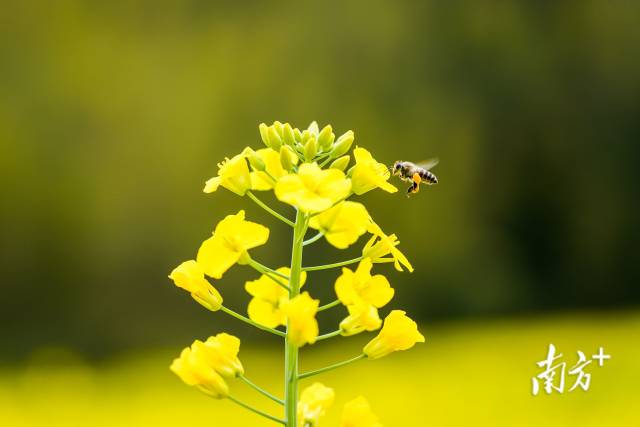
(328, 335)
(330, 367)
(334, 265)
(251, 322)
(272, 274)
(326, 162)
(329, 305)
(255, 410)
(261, 390)
(268, 209)
(255, 264)
(313, 239)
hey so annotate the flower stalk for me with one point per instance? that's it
(261, 390)
(334, 265)
(328, 335)
(291, 350)
(329, 305)
(251, 322)
(268, 209)
(255, 410)
(331, 367)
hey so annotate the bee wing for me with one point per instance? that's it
(429, 163)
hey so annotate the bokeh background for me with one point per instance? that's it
(114, 113)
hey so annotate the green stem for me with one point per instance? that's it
(334, 265)
(291, 351)
(329, 305)
(268, 209)
(251, 322)
(328, 335)
(257, 411)
(313, 239)
(272, 274)
(326, 162)
(255, 264)
(261, 390)
(273, 178)
(330, 367)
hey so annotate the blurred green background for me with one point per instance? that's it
(114, 113)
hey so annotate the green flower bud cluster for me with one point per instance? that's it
(309, 145)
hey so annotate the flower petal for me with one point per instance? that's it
(215, 257)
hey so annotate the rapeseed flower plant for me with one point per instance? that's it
(307, 169)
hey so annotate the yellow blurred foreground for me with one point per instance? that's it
(467, 374)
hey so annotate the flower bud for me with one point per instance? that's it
(255, 160)
(310, 149)
(343, 144)
(264, 133)
(340, 163)
(297, 134)
(313, 129)
(275, 142)
(305, 136)
(287, 135)
(278, 128)
(286, 154)
(326, 138)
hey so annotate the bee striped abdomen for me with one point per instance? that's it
(428, 176)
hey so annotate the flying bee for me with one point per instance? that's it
(415, 173)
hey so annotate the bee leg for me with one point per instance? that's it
(414, 188)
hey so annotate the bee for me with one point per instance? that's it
(415, 173)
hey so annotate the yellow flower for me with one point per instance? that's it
(361, 287)
(233, 174)
(193, 368)
(312, 189)
(357, 413)
(264, 180)
(301, 315)
(362, 317)
(204, 364)
(343, 224)
(190, 277)
(231, 239)
(381, 245)
(313, 403)
(268, 298)
(368, 174)
(398, 333)
(222, 354)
